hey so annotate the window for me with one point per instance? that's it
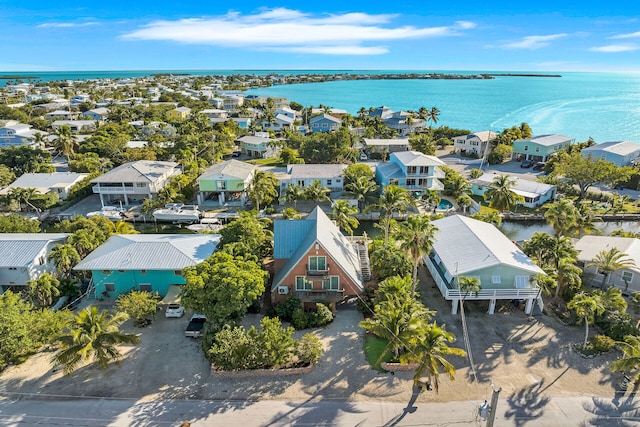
(177, 273)
(145, 287)
(325, 125)
(222, 185)
(496, 280)
(537, 149)
(526, 148)
(329, 182)
(109, 287)
(106, 271)
(143, 271)
(302, 284)
(332, 283)
(627, 276)
(317, 263)
(141, 185)
(522, 282)
(411, 170)
(41, 260)
(411, 182)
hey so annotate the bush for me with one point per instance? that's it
(323, 315)
(616, 325)
(601, 343)
(285, 310)
(299, 319)
(309, 349)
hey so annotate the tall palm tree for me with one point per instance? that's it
(457, 185)
(501, 194)
(608, 261)
(65, 257)
(317, 192)
(263, 188)
(293, 193)
(364, 189)
(630, 359)
(84, 240)
(585, 221)
(343, 215)
(561, 215)
(93, 335)
(65, 141)
(587, 307)
(43, 290)
(568, 274)
(416, 235)
(429, 350)
(393, 199)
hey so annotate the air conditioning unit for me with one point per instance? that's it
(283, 290)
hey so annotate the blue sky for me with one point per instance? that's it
(410, 35)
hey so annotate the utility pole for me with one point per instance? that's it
(493, 407)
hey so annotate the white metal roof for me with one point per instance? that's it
(589, 246)
(548, 140)
(139, 171)
(386, 142)
(151, 252)
(465, 245)
(44, 182)
(622, 148)
(228, 169)
(523, 187)
(415, 158)
(302, 171)
(20, 249)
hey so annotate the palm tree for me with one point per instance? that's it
(123, 227)
(457, 185)
(608, 261)
(43, 289)
(343, 215)
(464, 202)
(65, 141)
(393, 199)
(317, 192)
(416, 236)
(65, 257)
(293, 193)
(585, 221)
(501, 194)
(490, 217)
(429, 350)
(568, 274)
(561, 215)
(587, 307)
(432, 198)
(364, 188)
(263, 188)
(432, 115)
(93, 335)
(84, 240)
(630, 359)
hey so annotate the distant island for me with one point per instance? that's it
(16, 77)
(524, 75)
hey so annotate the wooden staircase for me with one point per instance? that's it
(363, 253)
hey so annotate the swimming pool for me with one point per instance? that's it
(444, 205)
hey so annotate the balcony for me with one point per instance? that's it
(320, 295)
(317, 273)
(117, 190)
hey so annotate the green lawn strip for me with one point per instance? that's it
(373, 347)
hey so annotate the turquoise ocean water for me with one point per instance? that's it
(603, 106)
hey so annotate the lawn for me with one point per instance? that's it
(271, 161)
(373, 347)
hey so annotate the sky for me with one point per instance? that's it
(498, 35)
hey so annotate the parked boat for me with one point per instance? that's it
(206, 225)
(111, 212)
(178, 213)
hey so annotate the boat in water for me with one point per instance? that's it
(206, 225)
(178, 213)
(111, 212)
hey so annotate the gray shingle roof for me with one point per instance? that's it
(20, 249)
(150, 252)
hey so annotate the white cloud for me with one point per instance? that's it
(533, 42)
(627, 36)
(67, 24)
(293, 31)
(615, 48)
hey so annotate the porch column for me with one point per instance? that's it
(492, 306)
(101, 200)
(454, 306)
(529, 306)
(126, 199)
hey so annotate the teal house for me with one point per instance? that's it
(146, 262)
(225, 183)
(539, 148)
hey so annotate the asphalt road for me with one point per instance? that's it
(570, 411)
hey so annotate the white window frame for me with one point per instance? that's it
(496, 279)
(317, 258)
(517, 282)
(302, 284)
(625, 273)
(332, 283)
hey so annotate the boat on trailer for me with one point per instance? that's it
(178, 213)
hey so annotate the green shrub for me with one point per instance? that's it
(309, 349)
(299, 319)
(322, 316)
(601, 343)
(616, 325)
(285, 310)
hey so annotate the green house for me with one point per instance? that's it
(539, 148)
(146, 262)
(225, 183)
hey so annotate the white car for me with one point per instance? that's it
(174, 310)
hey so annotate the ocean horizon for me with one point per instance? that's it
(603, 106)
